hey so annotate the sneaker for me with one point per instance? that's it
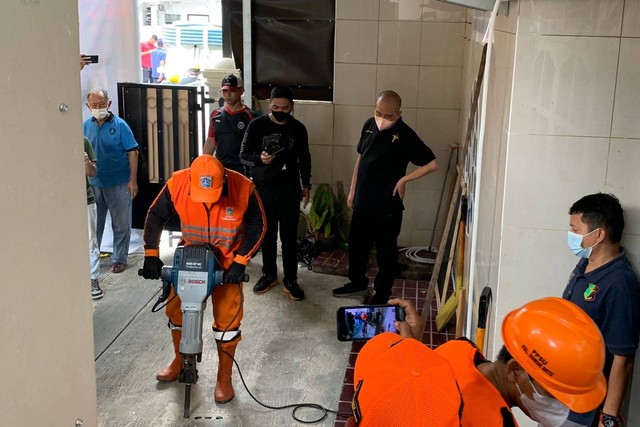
(294, 290)
(349, 290)
(96, 292)
(264, 284)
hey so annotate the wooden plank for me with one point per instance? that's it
(433, 283)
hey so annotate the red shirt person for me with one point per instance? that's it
(145, 57)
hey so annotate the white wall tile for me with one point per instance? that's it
(564, 85)
(409, 116)
(631, 242)
(631, 20)
(318, 119)
(398, 43)
(438, 128)
(357, 9)
(546, 174)
(348, 121)
(435, 10)
(355, 84)
(571, 17)
(439, 87)
(526, 272)
(623, 179)
(509, 23)
(435, 180)
(442, 43)
(321, 164)
(403, 10)
(402, 79)
(356, 41)
(423, 208)
(627, 102)
(344, 159)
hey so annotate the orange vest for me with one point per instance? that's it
(223, 225)
(484, 406)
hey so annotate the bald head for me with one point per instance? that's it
(391, 98)
(387, 111)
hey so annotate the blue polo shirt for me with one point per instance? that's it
(610, 295)
(111, 143)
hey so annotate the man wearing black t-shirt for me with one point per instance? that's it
(386, 147)
(228, 124)
(275, 148)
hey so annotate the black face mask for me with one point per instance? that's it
(280, 116)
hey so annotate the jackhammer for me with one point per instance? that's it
(194, 274)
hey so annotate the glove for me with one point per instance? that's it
(152, 267)
(235, 273)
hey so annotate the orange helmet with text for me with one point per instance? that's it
(559, 345)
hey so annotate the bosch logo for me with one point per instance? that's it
(196, 282)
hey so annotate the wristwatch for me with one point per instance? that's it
(609, 420)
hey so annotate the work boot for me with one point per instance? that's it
(294, 290)
(265, 283)
(171, 372)
(224, 387)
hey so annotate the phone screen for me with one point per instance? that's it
(366, 321)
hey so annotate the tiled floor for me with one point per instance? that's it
(411, 289)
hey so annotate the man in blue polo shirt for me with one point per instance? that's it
(115, 184)
(386, 147)
(606, 288)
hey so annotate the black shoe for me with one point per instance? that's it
(294, 290)
(379, 299)
(349, 290)
(264, 284)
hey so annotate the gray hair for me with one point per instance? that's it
(98, 91)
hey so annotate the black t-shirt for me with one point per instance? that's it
(228, 130)
(289, 143)
(384, 157)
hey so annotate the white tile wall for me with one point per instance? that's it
(564, 85)
(509, 23)
(546, 174)
(318, 119)
(402, 79)
(438, 128)
(356, 41)
(393, 10)
(409, 116)
(623, 180)
(344, 159)
(439, 87)
(348, 121)
(397, 43)
(631, 20)
(627, 102)
(571, 17)
(355, 84)
(357, 9)
(441, 43)
(321, 161)
(435, 10)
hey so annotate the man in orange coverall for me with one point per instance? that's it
(220, 207)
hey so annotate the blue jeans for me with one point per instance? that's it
(117, 201)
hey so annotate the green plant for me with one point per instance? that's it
(327, 213)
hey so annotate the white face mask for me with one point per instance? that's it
(549, 412)
(383, 124)
(99, 113)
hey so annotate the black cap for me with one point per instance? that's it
(232, 81)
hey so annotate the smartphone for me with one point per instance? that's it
(93, 59)
(362, 322)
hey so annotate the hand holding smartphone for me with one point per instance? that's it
(362, 322)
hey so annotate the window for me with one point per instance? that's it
(292, 45)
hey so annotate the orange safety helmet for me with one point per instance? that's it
(561, 348)
(207, 179)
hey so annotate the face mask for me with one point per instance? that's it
(544, 409)
(99, 113)
(574, 241)
(280, 116)
(383, 124)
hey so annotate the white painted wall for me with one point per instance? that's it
(46, 334)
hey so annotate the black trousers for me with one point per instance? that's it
(369, 228)
(146, 75)
(282, 208)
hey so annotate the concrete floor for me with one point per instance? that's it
(289, 354)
